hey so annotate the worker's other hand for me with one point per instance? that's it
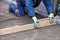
(17, 13)
(16, 4)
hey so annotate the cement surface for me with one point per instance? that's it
(46, 33)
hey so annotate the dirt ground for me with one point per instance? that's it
(4, 13)
(46, 33)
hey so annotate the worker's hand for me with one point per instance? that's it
(17, 13)
(16, 4)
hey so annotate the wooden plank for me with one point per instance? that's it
(13, 29)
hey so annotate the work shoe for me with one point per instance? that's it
(36, 22)
(51, 18)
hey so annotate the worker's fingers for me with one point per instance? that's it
(16, 4)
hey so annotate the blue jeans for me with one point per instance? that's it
(29, 6)
(13, 8)
(49, 6)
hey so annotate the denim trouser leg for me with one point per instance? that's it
(49, 6)
(29, 6)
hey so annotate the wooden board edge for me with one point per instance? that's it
(13, 29)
